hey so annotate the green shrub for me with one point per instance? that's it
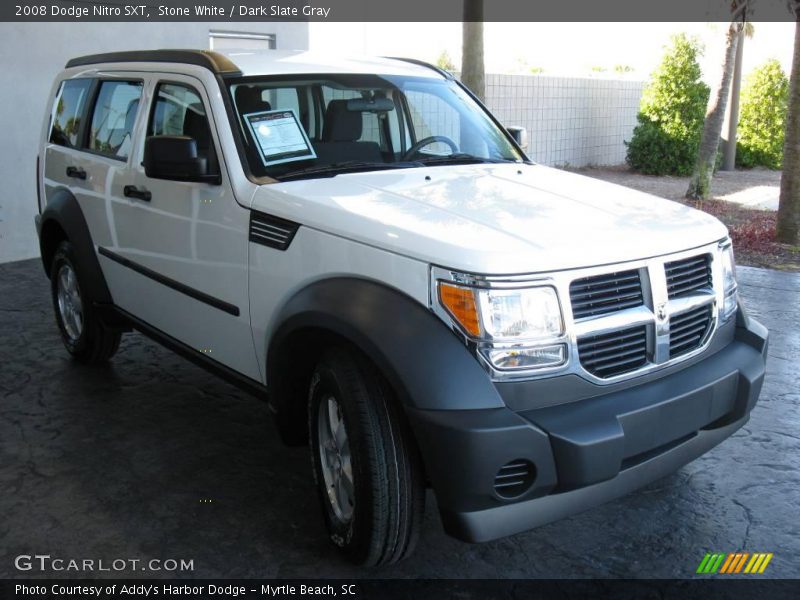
(763, 117)
(445, 62)
(671, 113)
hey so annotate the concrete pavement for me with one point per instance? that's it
(152, 457)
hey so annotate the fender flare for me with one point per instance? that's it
(428, 366)
(64, 211)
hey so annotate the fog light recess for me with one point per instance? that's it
(514, 478)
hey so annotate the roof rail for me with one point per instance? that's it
(213, 61)
(422, 63)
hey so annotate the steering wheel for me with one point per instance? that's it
(414, 150)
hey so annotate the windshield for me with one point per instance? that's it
(309, 126)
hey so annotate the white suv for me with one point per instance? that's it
(364, 246)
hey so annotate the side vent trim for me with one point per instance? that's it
(270, 231)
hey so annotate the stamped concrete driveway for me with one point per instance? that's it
(115, 462)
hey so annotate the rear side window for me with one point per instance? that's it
(114, 117)
(67, 112)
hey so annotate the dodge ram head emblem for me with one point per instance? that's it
(661, 311)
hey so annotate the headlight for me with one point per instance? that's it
(520, 314)
(515, 323)
(728, 269)
(729, 287)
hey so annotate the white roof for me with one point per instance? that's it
(292, 62)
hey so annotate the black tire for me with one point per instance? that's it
(93, 342)
(387, 475)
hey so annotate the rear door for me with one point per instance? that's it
(61, 150)
(179, 255)
(89, 150)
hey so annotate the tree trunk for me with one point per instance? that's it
(700, 185)
(789, 208)
(472, 67)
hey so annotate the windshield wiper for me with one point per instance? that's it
(350, 166)
(460, 158)
(354, 166)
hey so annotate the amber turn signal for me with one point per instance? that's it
(460, 303)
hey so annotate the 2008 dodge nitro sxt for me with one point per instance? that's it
(361, 243)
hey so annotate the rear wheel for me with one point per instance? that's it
(366, 465)
(84, 335)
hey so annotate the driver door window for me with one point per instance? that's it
(178, 110)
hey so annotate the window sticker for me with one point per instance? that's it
(280, 136)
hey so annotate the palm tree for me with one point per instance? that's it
(472, 67)
(700, 184)
(788, 228)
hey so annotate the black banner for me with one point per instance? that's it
(411, 589)
(391, 10)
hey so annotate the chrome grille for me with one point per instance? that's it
(688, 275)
(628, 320)
(606, 293)
(617, 318)
(688, 330)
(614, 353)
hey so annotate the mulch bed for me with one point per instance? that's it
(753, 235)
(752, 230)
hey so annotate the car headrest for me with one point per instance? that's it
(341, 124)
(248, 100)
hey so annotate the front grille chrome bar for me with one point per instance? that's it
(641, 315)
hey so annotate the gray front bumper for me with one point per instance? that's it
(590, 451)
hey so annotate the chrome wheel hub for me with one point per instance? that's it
(70, 306)
(334, 454)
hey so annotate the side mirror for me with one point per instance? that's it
(520, 135)
(174, 157)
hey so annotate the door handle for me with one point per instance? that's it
(76, 172)
(131, 191)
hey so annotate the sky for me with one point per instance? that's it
(578, 49)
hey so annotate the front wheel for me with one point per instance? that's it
(85, 336)
(366, 465)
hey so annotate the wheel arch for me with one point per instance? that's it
(424, 363)
(61, 220)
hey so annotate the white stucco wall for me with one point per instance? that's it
(33, 53)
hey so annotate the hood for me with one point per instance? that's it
(492, 219)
